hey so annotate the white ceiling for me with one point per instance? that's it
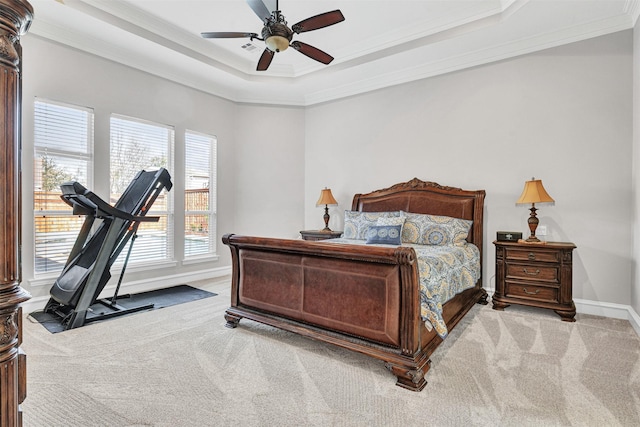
(380, 43)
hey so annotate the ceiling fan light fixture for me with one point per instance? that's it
(277, 35)
(277, 43)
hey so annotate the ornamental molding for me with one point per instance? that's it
(8, 52)
(8, 327)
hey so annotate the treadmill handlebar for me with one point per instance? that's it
(86, 202)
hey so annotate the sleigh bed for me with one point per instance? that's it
(363, 297)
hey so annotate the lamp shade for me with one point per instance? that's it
(326, 198)
(534, 192)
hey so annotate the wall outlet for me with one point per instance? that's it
(541, 230)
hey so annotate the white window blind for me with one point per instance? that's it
(200, 194)
(63, 151)
(137, 145)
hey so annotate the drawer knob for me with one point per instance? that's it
(532, 256)
(531, 293)
(531, 273)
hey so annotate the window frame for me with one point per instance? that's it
(211, 212)
(169, 212)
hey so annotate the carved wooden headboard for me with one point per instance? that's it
(428, 198)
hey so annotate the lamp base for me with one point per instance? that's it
(326, 219)
(533, 224)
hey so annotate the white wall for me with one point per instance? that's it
(562, 115)
(635, 287)
(256, 159)
(269, 171)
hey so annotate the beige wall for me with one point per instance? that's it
(562, 115)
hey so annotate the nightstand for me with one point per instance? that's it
(536, 275)
(320, 234)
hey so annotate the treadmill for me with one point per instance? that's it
(87, 269)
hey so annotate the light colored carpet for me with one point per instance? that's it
(179, 366)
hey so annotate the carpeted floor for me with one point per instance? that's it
(181, 367)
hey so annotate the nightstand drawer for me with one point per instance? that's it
(532, 292)
(531, 255)
(537, 272)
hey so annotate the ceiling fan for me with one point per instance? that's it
(277, 35)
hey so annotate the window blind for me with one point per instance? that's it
(63, 151)
(140, 145)
(200, 194)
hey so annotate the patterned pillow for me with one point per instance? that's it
(436, 230)
(393, 220)
(357, 223)
(384, 234)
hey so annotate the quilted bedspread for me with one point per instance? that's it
(444, 272)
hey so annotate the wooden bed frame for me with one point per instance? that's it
(363, 298)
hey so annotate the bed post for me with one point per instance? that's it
(233, 320)
(415, 363)
(478, 234)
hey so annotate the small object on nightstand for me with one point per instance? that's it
(536, 275)
(508, 236)
(320, 234)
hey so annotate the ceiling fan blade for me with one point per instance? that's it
(318, 21)
(227, 35)
(260, 9)
(312, 52)
(265, 60)
(271, 4)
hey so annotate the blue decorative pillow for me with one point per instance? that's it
(357, 223)
(384, 234)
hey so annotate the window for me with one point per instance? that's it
(139, 145)
(63, 143)
(200, 194)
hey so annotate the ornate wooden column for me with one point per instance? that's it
(15, 18)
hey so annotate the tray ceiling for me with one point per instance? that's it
(380, 43)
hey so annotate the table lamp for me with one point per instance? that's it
(533, 193)
(326, 199)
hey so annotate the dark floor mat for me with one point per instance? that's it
(144, 301)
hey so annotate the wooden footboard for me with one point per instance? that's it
(362, 298)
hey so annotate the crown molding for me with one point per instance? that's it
(632, 9)
(471, 59)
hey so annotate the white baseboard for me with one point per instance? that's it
(604, 309)
(144, 285)
(608, 309)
